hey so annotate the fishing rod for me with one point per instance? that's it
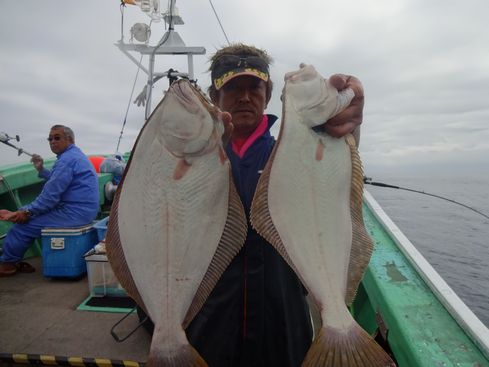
(368, 181)
(5, 138)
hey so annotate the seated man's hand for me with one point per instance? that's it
(5, 214)
(38, 162)
(349, 119)
(19, 216)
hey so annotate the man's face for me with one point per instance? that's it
(58, 141)
(245, 98)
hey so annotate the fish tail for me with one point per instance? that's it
(351, 348)
(183, 356)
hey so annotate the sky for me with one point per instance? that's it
(424, 66)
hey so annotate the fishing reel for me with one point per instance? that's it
(4, 137)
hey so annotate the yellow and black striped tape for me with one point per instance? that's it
(44, 360)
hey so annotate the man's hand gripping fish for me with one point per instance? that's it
(176, 221)
(308, 205)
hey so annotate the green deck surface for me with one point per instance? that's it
(420, 330)
(85, 307)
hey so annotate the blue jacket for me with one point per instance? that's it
(71, 183)
(257, 314)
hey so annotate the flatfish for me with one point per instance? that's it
(177, 220)
(308, 206)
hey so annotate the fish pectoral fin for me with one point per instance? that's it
(181, 169)
(222, 155)
(320, 150)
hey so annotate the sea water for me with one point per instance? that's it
(454, 239)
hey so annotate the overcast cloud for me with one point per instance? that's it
(424, 66)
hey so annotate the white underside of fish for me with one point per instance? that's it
(173, 232)
(171, 228)
(308, 206)
(309, 201)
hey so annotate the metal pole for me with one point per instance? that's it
(190, 61)
(172, 11)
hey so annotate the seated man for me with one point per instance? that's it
(69, 198)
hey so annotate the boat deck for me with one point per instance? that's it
(401, 298)
(32, 323)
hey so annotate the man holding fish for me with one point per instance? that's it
(257, 313)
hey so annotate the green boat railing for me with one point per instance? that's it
(425, 322)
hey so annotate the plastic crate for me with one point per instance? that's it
(63, 250)
(101, 279)
(101, 228)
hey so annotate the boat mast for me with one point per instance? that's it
(170, 44)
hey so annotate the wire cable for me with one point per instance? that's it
(128, 105)
(219, 21)
(369, 181)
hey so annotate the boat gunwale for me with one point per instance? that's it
(461, 313)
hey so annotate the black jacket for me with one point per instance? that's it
(257, 314)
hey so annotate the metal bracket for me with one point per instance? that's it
(119, 339)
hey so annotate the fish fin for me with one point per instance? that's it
(115, 253)
(222, 155)
(353, 348)
(260, 216)
(320, 150)
(362, 246)
(181, 169)
(184, 356)
(232, 239)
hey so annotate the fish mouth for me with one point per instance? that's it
(188, 127)
(187, 97)
(192, 99)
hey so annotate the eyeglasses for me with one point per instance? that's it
(227, 63)
(56, 138)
